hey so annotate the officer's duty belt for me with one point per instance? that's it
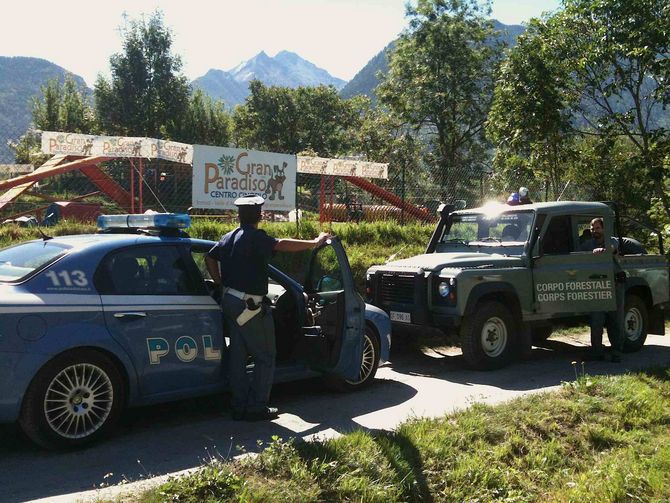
(241, 295)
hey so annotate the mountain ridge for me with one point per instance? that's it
(21, 79)
(285, 69)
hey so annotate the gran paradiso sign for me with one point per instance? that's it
(59, 143)
(220, 174)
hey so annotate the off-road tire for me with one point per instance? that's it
(635, 323)
(501, 328)
(41, 425)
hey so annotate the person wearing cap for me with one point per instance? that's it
(524, 196)
(239, 264)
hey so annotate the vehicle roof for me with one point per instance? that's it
(552, 207)
(104, 241)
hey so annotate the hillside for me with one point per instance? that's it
(365, 81)
(20, 80)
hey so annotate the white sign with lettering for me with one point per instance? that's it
(221, 175)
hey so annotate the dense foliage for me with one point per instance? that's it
(440, 82)
(584, 97)
(147, 95)
(580, 103)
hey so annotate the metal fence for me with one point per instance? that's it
(166, 186)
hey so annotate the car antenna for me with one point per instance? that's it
(44, 236)
(394, 255)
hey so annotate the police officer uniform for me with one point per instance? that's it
(243, 255)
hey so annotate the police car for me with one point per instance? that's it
(128, 317)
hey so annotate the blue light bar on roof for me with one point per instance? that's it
(150, 220)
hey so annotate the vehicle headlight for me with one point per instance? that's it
(368, 286)
(444, 289)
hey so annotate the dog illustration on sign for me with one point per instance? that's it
(276, 183)
(88, 147)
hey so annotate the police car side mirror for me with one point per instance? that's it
(328, 284)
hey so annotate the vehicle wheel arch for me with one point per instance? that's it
(499, 292)
(640, 288)
(37, 423)
(120, 367)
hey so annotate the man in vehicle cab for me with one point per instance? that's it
(239, 264)
(613, 319)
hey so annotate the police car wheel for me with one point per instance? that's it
(487, 336)
(369, 364)
(635, 323)
(74, 399)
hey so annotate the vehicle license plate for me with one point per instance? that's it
(401, 317)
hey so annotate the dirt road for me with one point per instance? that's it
(170, 438)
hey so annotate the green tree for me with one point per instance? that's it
(146, 95)
(440, 82)
(268, 120)
(604, 75)
(279, 119)
(529, 120)
(61, 107)
(205, 122)
(619, 85)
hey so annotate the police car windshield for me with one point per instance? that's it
(19, 261)
(499, 229)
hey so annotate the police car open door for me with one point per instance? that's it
(332, 339)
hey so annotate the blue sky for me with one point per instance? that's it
(337, 35)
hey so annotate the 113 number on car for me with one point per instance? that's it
(67, 278)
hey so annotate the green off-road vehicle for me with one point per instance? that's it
(502, 276)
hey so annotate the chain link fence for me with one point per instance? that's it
(167, 186)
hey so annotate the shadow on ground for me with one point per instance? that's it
(165, 438)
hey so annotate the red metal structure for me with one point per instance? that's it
(325, 211)
(61, 164)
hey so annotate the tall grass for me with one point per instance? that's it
(604, 439)
(366, 243)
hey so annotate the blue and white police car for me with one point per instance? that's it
(91, 324)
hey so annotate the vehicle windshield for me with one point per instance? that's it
(509, 228)
(19, 261)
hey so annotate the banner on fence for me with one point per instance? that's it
(221, 175)
(342, 167)
(115, 146)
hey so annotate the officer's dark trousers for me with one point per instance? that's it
(614, 322)
(256, 338)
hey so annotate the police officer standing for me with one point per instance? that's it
(239, 263)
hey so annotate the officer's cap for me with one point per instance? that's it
(249, 201)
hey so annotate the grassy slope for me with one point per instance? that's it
(366, 243)
(597, 439)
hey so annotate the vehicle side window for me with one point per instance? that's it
(325, 274)
(146, 270)
(558, 236)
(198, 253)
(582, 230)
